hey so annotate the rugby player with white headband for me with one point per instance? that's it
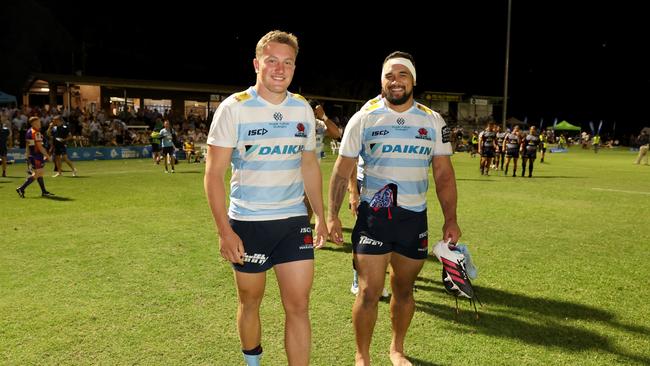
(398, 140)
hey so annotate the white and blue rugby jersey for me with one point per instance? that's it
(268, 142)
(396, 148)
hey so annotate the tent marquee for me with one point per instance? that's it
(566, 126)
(6, 98)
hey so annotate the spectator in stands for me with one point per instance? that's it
(188, 147)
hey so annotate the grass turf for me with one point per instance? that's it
(122, 267)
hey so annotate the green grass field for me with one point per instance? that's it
(123, 267)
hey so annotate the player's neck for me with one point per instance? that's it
(401, 107)
(270, 96)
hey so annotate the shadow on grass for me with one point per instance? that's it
(418, 362)
(331, 247)
(189, 172)
(533, 320)
(58, 198)
(556, 176)
(474, 180)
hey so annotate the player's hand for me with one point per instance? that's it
(319, 112)
(231, 247)
(451, 232)
(319, 234)
(354, 204)
(335, 230)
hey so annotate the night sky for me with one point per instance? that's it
(577, 62)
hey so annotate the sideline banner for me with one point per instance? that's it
(93, 153)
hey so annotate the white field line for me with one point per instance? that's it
(619, 191)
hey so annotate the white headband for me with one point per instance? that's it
(398, 61)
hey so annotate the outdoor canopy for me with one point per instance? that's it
(566, 126)
(6, 98)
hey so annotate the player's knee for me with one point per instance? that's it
(296, 307)
(403, 292)
(369, 296)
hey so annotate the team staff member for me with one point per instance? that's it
(60, 134)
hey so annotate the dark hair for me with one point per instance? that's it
(397, 54)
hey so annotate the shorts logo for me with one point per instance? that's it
(308, 242)
(305, 230)
(364, 240)
(277, 116)
(255, 258)
(424, 241)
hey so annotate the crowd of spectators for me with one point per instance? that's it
(101, 129)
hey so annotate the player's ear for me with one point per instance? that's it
(256, 65)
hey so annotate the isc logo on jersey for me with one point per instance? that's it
(258, 132)
(380, 133)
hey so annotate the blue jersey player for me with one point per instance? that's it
(398, 139)
(267, 136)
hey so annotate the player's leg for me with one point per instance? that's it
(4, 165)
(402, 304)
(166, 157)
(530, 166)
(250, 291)
(295, 280)
(514, 166)
(371, 270)
(70, 164)
(57, 165)
(31, 167)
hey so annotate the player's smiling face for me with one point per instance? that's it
(275, 67)
(397, 84)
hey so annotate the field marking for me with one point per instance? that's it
(619, 190)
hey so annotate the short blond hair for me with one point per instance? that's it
(34, 118)
(279, 37)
